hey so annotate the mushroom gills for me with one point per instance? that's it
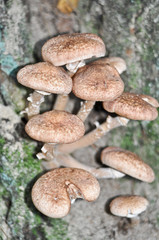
(73, 191)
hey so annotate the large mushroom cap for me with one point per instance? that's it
(128, 206)
(53, 192)
(97, 82)
(55, 127)
(116, 62)
(44, 76)
(133, 106)
(71, 48)
(128, 163)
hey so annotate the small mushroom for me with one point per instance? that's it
(116, 62)
(72, 49)
(55, 127)
(53, 193)
(45, 79)
(128, 163)
(96, 82)
(129, 206)
(133, 106)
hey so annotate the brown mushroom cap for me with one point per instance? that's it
(128, 163)
(55, 127)
(128, 206)
(53, 192)
(44, 76)
(116, 62)
(74, 47)
(132, 106)
(97, 82)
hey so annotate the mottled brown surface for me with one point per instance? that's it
(132, 106)
(53, 191)
(127, 162)
(97, 82)
(55, 127)
(44, 76)
(127, 206)
(72, 47)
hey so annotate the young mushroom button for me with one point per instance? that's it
(72, 49)
(128, 206)
(53, 193)
(55, 127)
(128, 163)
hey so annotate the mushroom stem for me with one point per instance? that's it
(61, 102)
(134, 221)
(35, 99)
(94, 135)
(47, 152)
(85, 109)
(68, 161)
(73, 67)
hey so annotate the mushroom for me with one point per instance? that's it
(133, 106)
(128, 163)
(53, 193)
(72, 49)
(45, 79)
(55, 127)
(116, 62)
(129, 206)
(96, 82)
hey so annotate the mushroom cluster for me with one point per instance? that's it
(63, 71)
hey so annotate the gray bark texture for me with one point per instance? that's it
(130, 29)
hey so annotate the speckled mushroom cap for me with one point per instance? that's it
(53, 193)
(128, 163)
(97, 82)
(116, 62)
(132, 106)
(44, 76)
(55, 127)
(128, 206)
(69, 48)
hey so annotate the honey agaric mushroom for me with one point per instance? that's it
(55, 127)
(116, 62)
(128, 163)
(72, 49)
(96, 82)
(129, 206)
(44, 78)
(133, 106)
(53, 193)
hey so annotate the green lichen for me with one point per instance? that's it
(18, 170)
